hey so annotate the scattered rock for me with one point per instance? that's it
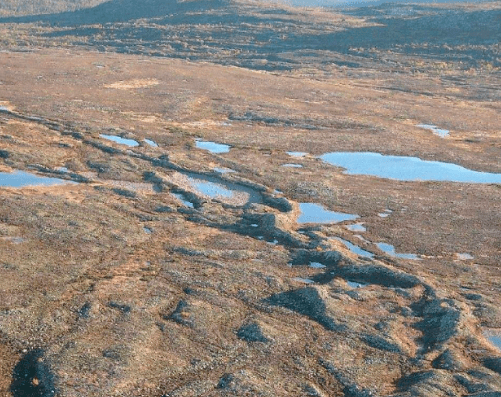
(181, 314)
(493, 363)
(124, 192)
(125, 309)
(251, 333)
(83, 312)
(448, 361)
(439, 323)
(306, 301)
(380, 343)
(32, 377)
(225, 380)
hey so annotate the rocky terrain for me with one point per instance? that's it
(171, 223)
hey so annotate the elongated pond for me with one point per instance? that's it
(21, 179)
(120, 140)
(406, 168)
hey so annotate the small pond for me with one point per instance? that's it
(120, 140)
(356, 227)
(223, 170)
(316, 213)
(433, 128)
(494, 336)
(355, 248)
(390, 250)
(212, 147)
(297, 154)
(290, 165)
(151, 143)
(181, 198)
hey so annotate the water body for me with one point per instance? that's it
(464, 256)
(390, 250)
(303, 280)
(494, 338)
(385, 214)
(355, 248)
(354, 284)
(297, 154)
(212, 147)
(211, 189)
(22, 179)
(405, 168)
(120, 140)
(357, 227)
(151, 143)
(181, 198)
(316, 213)
(433, 128)
(223, 170)
(289, 165)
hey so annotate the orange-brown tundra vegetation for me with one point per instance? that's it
(172, 252)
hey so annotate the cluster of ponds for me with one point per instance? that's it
(126, 141)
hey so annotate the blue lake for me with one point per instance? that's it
(405, 168)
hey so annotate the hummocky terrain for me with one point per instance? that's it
(170, 223)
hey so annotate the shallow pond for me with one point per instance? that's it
(212, 147)
(316, 213)
(405, 168)
(228, 192)
(433, 128)
(151, 143)
(356, 227)
(120, 140)
(290, 165)
(494, 337)
(354, 284)
(385, 214)
(390, 250)
(303, 280)
(181, 198)
(355, 248)
(21, 179)
(211, 189)
(222, 170)
(297, 154)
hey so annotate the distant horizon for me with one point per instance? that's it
(362, 3)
